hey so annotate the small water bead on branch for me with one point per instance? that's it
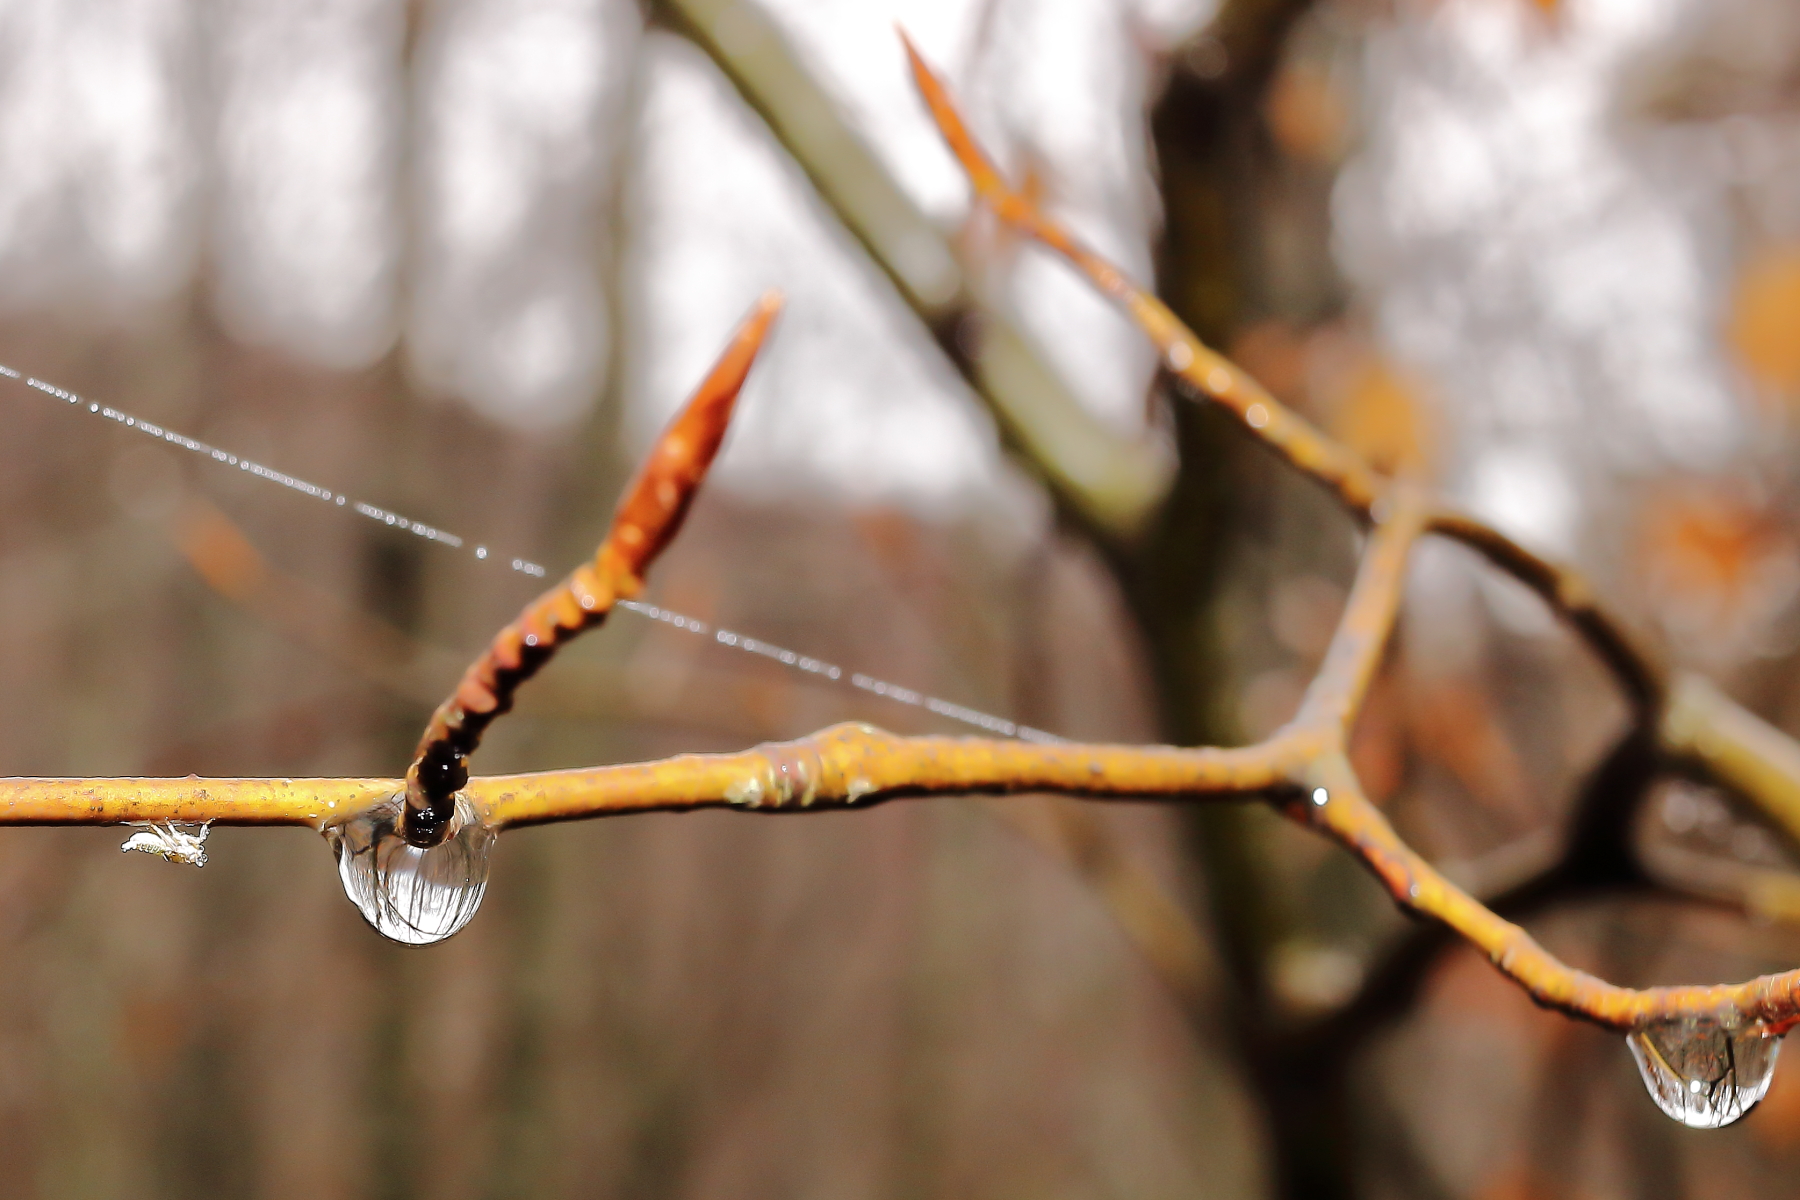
(1701, 1073)
(412, 894)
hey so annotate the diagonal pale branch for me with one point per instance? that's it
(1763, 894)
(648, 517)
(1111, 482)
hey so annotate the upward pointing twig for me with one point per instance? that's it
(647, 518)
(1201, 367)
(1111, 483)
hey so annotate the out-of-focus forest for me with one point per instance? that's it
(461, 258)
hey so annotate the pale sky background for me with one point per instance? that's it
(1555, 268)
(1557, 263)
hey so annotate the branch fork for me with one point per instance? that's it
(1303, 768)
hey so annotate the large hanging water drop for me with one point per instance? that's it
(1701, 1073)
(411, 895)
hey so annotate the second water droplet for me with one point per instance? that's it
(411, 895)
(1702, 1074)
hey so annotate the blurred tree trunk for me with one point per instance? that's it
(1217, 167)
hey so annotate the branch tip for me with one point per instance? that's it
(647, 519)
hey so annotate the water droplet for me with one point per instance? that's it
(1700, 1073)
(411, 895)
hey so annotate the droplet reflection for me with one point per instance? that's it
(1700, 1073)
(411, 895)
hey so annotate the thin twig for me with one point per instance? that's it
(1185, 355)
(648, 517)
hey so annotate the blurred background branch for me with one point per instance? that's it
(1109, 483)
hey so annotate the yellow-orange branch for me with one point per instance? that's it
(1336, 693)
(855, 765)
(1304, 767)
(189, 801)
(1333, 699)
(1771, 1000)
(1202, 368)
(846, 765)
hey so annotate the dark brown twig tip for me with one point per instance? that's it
(647, 519)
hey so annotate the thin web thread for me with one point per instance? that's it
(803, 663)
(831, 671)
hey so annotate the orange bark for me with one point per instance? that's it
(1303, 767)
(1202, 368)
(647, 518)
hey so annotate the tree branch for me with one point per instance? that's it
(1201, 368)
(1111, 483)
(1304, 767)
(1707, 732)
(648, 517)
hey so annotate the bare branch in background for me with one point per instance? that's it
(1303, 767)
(1112, 483)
